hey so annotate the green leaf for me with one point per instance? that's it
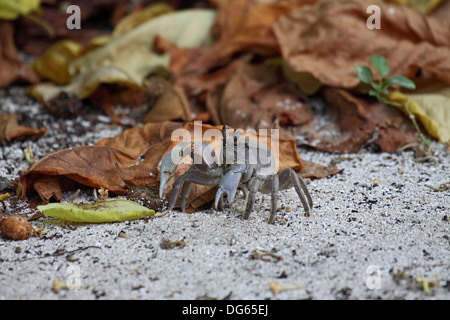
(377, 86)
(364, 74)
(115, 210)
(377, 95)
(401, 81)
(374, 93)
(379, 62)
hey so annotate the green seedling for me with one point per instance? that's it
(380, 89)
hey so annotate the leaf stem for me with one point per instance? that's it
(411, 117)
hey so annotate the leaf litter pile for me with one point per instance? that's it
(154, 67)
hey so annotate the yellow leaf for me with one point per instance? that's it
(128, 59)
(54, 63)
(12, 9)
(115, 210)
(134, 19)
(84, 84)
(431, 106)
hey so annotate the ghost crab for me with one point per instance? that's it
(251, 168)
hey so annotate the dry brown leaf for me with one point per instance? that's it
(246, 26)
(136, 151)
(171, 102)
(328, 39)
(10, 129)
(358, 121)
(156, 101)
(255, 96)
(12, 68)
(314, 170)
(241, 27)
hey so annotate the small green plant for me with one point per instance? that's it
(380, 89)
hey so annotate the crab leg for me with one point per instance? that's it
(205, 172)
(169, 167)
(228, 185)
(254, 184)
(176, 190)
(288, 177)
(185, 192)
(274, 191)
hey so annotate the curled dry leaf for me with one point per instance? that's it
(136, 152)
(127, 59)
(328, 39)
(256, 96)
(358, 121)
(246, 26)
(10, 129)
(54, 63)
(12, 68)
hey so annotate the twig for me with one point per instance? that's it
(276, 288)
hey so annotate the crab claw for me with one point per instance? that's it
(229, 184)
(170, 163)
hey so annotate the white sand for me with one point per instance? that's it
(369, 223)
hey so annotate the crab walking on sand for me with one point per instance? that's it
(248, 170)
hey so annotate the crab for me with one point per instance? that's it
(258, 175)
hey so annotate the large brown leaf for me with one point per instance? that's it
(136, 152)
(328, 39)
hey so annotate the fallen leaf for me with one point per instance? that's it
(314, 170)
(329, 38)
(246, 26)
(241, 27)
(54, 63)
(355, 121)
(128, 59)
(134, 19)
(115, 210)
(170, 104)
(12, 68)
(36, 35)
(11, 10)
(10, 129)
(255, 97)
(135, 152)
(431, 106)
